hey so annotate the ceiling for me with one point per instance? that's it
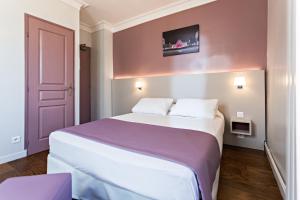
(116, 11)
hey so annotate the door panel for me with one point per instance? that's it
(51, 119)
(50, 80)
(52, 95)
(51, 46)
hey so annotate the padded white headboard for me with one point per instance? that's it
(250, 99)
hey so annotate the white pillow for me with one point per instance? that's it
(159, 106)
(200, 108)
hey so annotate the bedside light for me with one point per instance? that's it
(139, 85)
(239, 82)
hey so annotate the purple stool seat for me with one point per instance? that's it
(42, 187)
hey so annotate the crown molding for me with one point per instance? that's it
(101, 25)
(158, 13)
(78, 4)
(86, 27)
(146, 17)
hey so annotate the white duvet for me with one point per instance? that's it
(118, 172)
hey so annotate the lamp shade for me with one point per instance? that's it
(239, 82)
(139, 85)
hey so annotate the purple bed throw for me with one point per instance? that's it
(194, 149)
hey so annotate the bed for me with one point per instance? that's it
(101, 171)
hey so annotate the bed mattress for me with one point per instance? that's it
(147, 176)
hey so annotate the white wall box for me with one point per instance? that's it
(241, 126)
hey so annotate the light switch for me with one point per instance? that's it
(240, 114)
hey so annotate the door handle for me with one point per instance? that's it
(70, 90)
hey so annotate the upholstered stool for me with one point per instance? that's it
(42, 187)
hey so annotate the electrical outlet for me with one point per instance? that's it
(16, 139)
(240, 114)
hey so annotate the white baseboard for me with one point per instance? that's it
(14, 156)
(278, 177)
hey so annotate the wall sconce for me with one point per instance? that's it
(139, 85)
(239, 82)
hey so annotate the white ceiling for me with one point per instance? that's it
(116, 11)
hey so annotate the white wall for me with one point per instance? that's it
(85, 38)
(296, 137)
(12, 67)
(277, 82)
(295, 157)
(101, 74)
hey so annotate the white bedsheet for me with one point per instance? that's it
(148, 176)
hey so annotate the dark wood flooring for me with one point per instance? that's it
(245, 173)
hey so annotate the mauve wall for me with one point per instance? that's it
(233, 36)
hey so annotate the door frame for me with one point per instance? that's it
(26, 89)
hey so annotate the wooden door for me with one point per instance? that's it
(85, 84)
(50, 81)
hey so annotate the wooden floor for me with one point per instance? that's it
(245, 173)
